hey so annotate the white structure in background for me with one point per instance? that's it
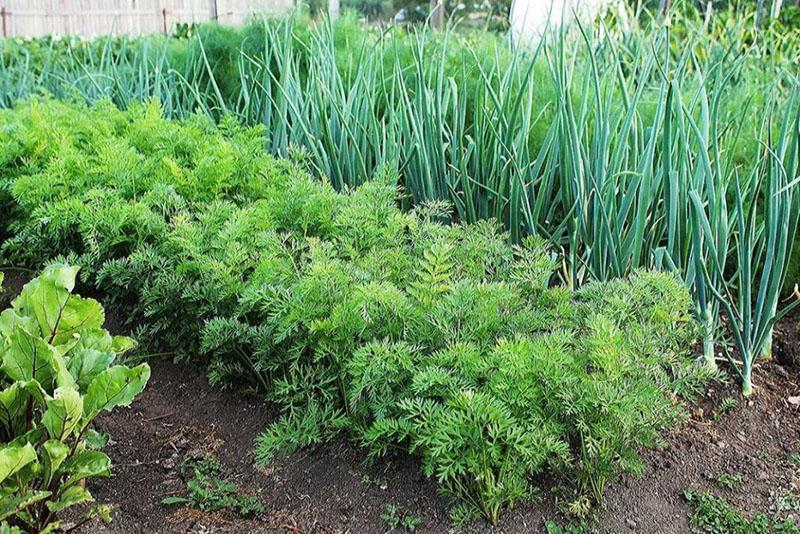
(531, 18)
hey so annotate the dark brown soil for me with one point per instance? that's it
(755, 440)
(787, 342)
(13, 280)
(330, 489)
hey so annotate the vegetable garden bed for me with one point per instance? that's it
(491, 303)
(517, 398)
(180, 415)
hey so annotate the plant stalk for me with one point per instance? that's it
(708, 339)
(766, 348)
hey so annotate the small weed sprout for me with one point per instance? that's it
(714, 515)
(394, 517)
(209, 492)
(729, 480)
(728, 404)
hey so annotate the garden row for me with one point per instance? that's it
(403, 333)
(671, 147)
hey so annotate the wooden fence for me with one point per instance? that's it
(90, 18)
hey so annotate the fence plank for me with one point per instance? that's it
(90, 18)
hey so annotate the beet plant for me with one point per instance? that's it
(57, 375)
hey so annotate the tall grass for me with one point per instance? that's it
(625, 148)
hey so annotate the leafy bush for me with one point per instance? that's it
(407, 334)
(565, 390)
(57, 375)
